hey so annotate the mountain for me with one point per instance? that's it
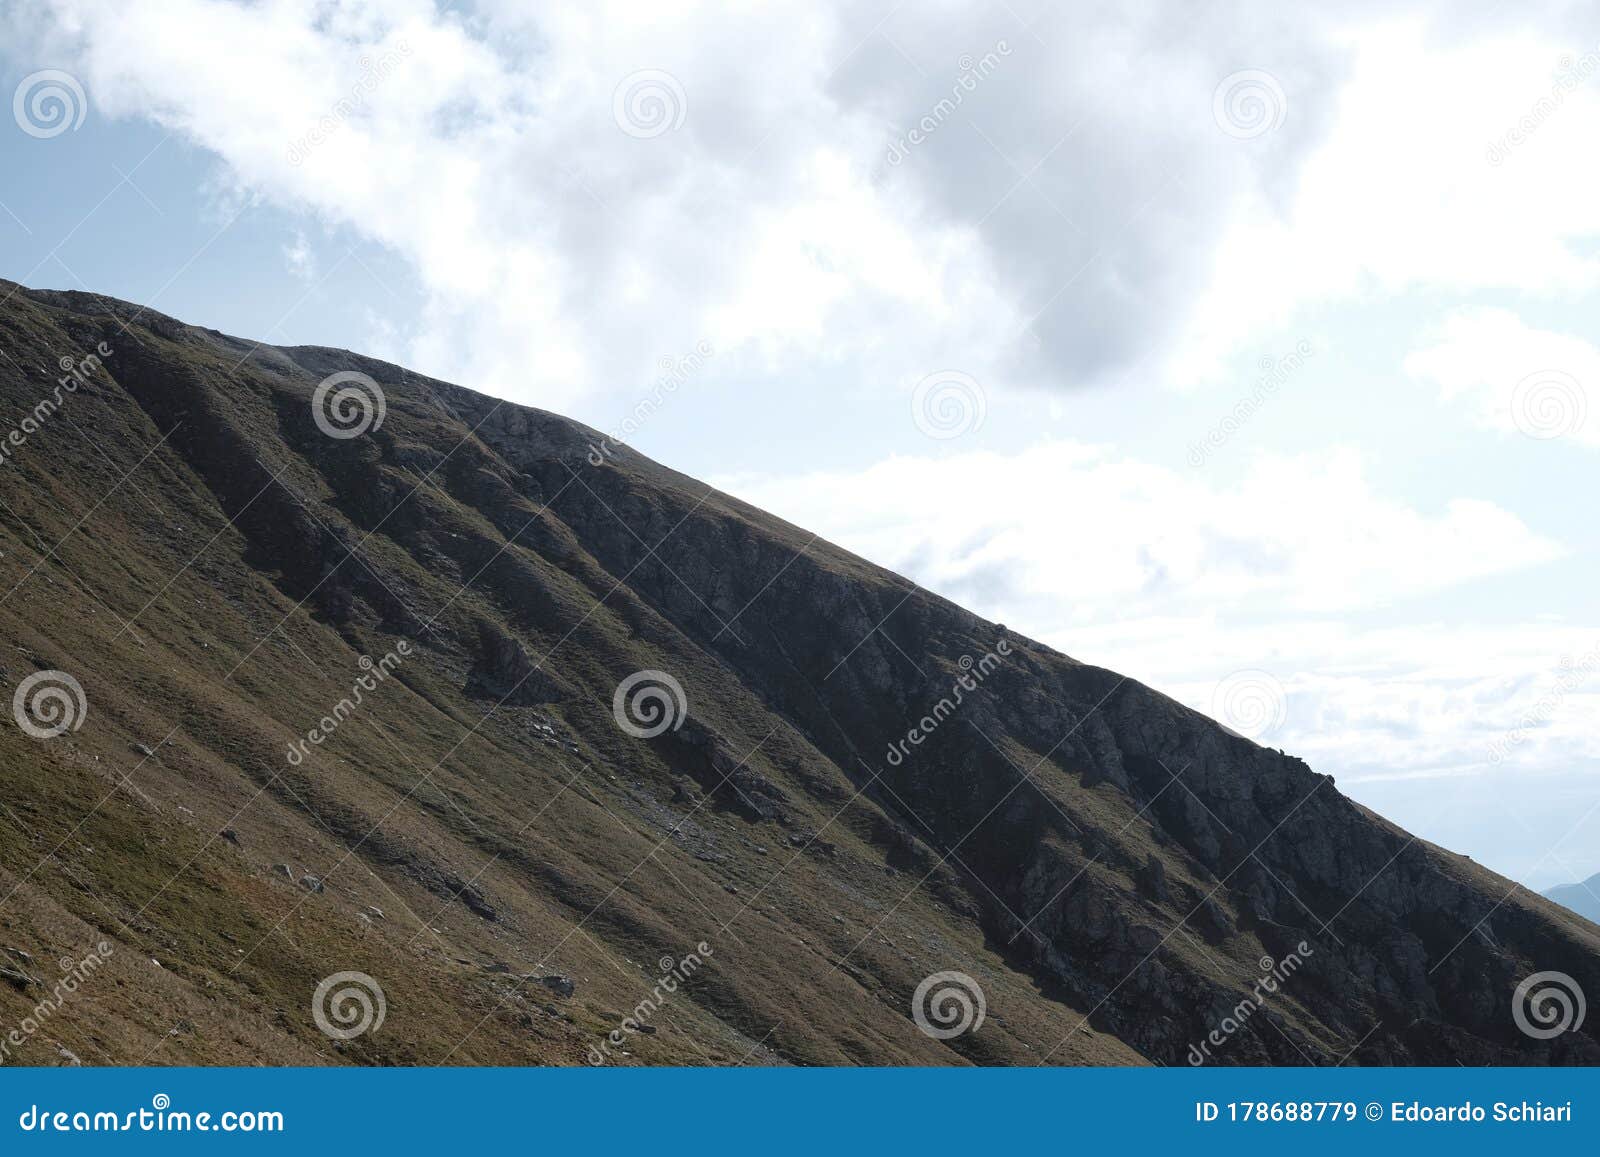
(1582, 898)
(376, 721)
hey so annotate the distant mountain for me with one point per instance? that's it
(1584, 898)
(327, 678)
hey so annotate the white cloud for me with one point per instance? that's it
(1062, 225)
(1179, 581)
(1052, 229)
(301, 258)
(1417, 187)
(1063, 532)
(1514, 377)
(1432, 700)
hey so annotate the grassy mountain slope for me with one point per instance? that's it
(1110, 868)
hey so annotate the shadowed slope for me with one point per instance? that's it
(514, 868)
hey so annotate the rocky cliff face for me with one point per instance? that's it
(634, 720)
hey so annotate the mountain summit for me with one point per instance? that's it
(360, 718)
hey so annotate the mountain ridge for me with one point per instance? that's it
(1110, 869)
(1582, 897)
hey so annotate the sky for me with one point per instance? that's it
(1244, 349)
